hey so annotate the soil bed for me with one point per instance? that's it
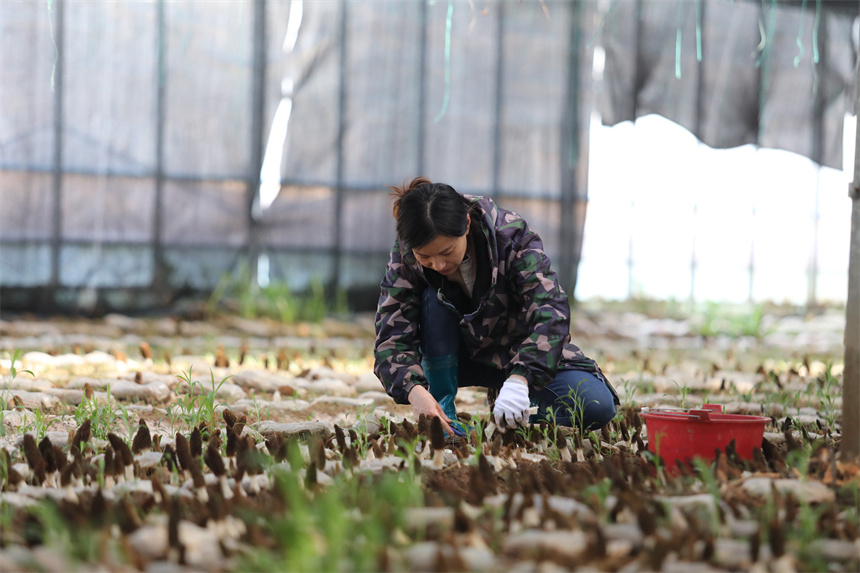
(228, 445)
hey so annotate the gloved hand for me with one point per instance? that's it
(512, 405)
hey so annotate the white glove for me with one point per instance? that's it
(512, 405)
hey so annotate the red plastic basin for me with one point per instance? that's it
(689, 434)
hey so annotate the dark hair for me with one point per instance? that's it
(425, 210)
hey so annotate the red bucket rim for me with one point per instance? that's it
(707, 414)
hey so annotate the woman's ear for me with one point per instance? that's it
(468, 221)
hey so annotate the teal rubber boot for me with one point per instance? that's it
(441, 373)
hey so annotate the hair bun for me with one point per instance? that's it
(399, 192)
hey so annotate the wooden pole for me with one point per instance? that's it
(850, 446)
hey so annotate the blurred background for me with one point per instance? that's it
(692, 150)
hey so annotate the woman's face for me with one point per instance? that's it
(444, 253)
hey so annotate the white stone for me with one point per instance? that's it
(299, 429)
(133, 486)
(376, 397)
(43, 558)
(705, 500)
(99, 357)
(230, 392)
(247, 405)
(36, 359)
(775, 438)
(224, 391)
(253, 327)
(333, 386)
(125, 390)
(31, 400)
(16, 499)
(809, 420)
(324, 372)
(377, 465)
(25, 383)
(172, 380)
(745, 382)
(746, 408)
(16, 418)
(300, 383)
(804, 491)
(565, 506)
(419, 518)
(469, 397)
(626, 532)
(532, 543)
(150, 541)
(189, 328)
(836, 549)
(124, 322)
(57, 438)
(80, 383)
(368, 382)
(70, 397)
(260, 380)
(196, 364)
(148, 460)
(343, 401)
(67, 360)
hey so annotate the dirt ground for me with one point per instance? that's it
(180, 441)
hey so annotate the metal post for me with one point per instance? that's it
(850, 446)
(817, 156)
(751, 262)
(337, 254)
(497, 111)
(700, 105)
(574, 164)
(767, 16)
(421, 132)
(640, 67)
(258, 115)
(812, 268)
(57, 211)
(639, 78)
(159, 278)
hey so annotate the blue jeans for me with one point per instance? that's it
(573, 398)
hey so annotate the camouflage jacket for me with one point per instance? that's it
(517, 321)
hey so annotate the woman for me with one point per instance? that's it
(469, 299)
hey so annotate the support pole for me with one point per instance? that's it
(159, 278)
(574, 155)
(850, 447)
(258, 115)
(699, 129)
(57, 183)
(818, 119)
(498, 103)
(421, 132)
(337, 246)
